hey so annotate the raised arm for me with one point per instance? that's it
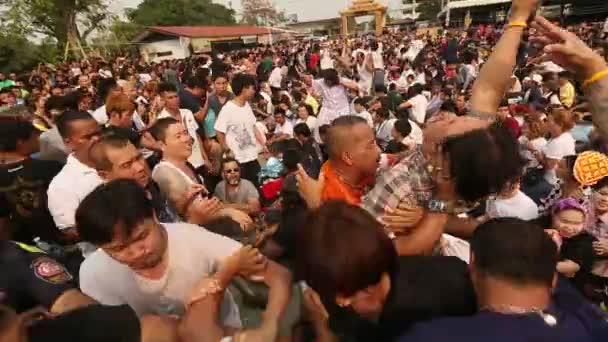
(571, 53)
(495, 76)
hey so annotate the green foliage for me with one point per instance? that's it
(17, 54)
(261, 13)
(180, 13)
(429, 9)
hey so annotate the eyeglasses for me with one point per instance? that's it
(232, 171)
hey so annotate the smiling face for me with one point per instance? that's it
(600, 199)
(231, 173)
(178, 143)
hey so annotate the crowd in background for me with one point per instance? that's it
(400, 187)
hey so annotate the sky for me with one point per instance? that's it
(305, 9)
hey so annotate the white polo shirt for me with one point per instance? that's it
(71, 185)
(188, 120)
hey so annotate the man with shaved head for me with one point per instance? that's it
(353, 160)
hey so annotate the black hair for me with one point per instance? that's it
(291, 158)
(402, 114)
(361, 101)
(158, 130)
(166, 87)
(415, 89)
(308, 107)
(196, 82)
(323, 129)
(514, 250)
(333, 264)
(380, 88)
(331, 77)
(482, 172)
(448, 106)
(297, 96)
(54, 103)
(105, 86)
(601, 184)
(383, 113)
(117, 205)
(14, 131)
(98, 154)
(403, 127)
(65, 120)
(302, 129)
(242, 81)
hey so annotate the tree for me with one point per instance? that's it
(65, 20)
(429, 9)
(180, 12)
(18, 54)
(261, 12)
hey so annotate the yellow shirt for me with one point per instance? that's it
(567, 95)
(311, 101)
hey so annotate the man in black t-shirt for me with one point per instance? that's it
(371, 294)
(23, 185)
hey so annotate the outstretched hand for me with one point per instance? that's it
(310, 189)
(566, 49)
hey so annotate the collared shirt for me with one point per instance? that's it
(73, 183)
(407, 181)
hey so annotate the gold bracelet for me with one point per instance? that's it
(511, 24)
(596, 77)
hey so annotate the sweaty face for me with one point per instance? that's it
(178, 143)
(128, 163)
(143, 249)
(569, 222)
(83, 134)
(231, 173)
(364, 152)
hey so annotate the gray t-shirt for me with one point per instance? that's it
(193, 254)
(245, 192)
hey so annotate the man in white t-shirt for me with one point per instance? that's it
(416, 104)
(360, 107)
(512, 203)
(236, 127)
(283, 129)
(168, 93)
(156, 268)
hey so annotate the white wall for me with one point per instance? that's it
(149, 50)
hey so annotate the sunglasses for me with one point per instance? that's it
(232, 171)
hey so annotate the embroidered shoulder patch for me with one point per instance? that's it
(50, 271)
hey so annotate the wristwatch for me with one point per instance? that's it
(439, 206)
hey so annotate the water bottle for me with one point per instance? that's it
(53, 250)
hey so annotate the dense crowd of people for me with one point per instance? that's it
(400, 187)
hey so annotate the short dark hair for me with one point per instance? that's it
(331, 77)
(65, 120)
(361, 101)
(403, 127)
(159, 129)
(481, 172)
(448, 106)
(291, 158)
(105, 86)
(166, 87)
(383, 113)
(343, 250)
(220, 75)
(302, 129)
(514, 250)
(242, 81)
(308, 107)
(13, 131)
(98, 154)
(196, 82)
(117, 205)
(324, 129)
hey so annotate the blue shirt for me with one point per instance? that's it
(577, 321)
